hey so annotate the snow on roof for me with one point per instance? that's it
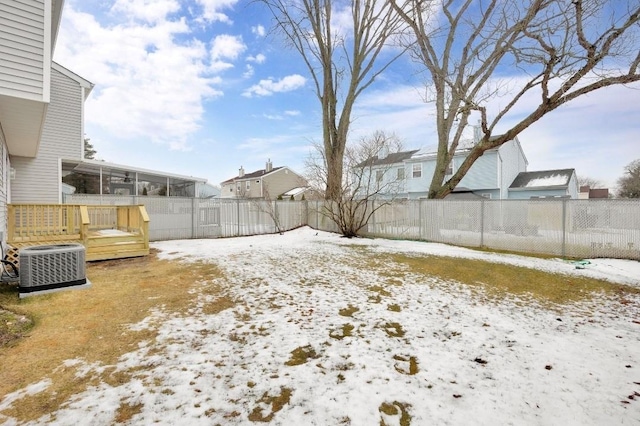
(552, 180)
(295, 191)
(542, 179)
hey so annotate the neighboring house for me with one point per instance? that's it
(489, 177)
(267, 183)
(561, 183)
(587, 193)
(500, 173)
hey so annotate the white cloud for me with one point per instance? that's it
(268, 87)
(292, 113)
(258, 59)
(146, 10)
(249, 71)
(212, 9)
(225, 47)
(258, 30)
(272, 116)
(149, 85)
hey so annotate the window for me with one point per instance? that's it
(400, 173)
(449, 170)
(416, 171)
(379, 174)
(239, 187)
(248, 185)
(231, 189)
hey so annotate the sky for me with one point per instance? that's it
(380, 341)
(203, 87)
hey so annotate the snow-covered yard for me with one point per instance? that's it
(318, 336)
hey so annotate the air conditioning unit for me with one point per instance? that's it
(49, 268)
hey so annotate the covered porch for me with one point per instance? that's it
(107, 232)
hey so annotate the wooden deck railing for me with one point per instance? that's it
(31, 224)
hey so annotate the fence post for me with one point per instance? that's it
(419, 202)
(564, 227)
(482, 223)
(194, 218)
(238, 216)
(373, 215)
(317, 215)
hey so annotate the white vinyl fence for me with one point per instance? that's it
(568, 228)
(173, 218)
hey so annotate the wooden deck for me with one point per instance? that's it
(107, 232)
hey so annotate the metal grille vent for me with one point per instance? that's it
(52, 266)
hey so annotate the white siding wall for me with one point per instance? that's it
(281, 181)
(513, 162)
(24, 49)
(38, 179)
(4, 184)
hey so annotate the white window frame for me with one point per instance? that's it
(449, 169)
(416, 171)
(248, 186)
(379, 175)
(400, 175)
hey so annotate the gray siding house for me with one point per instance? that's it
(267, 183)
(500, 173)
(37, 179)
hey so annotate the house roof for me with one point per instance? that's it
(94, 166)
(463, 195)
(391, 158)
(296, 191)
(253, 175)
(545, 179)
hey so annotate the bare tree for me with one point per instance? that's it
(343, 56)
(629, 183)
(563, 49)
(592, 183)
(368, 177)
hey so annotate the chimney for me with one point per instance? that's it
(477, 134)
(269, 166)
(241, 172)
(384, 152)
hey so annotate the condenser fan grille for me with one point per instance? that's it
(52, 267)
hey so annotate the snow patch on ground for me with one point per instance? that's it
(317, 339)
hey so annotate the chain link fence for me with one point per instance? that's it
(568, 228)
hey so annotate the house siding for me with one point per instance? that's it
(280, 182)
(24, 49)
(483, 174)
(512, 162)
(38, 179)
(419, 187)
(4, 184)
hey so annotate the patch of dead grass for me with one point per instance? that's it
(92, 325)
(501, 280)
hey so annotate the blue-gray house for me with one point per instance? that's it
(500, 173)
